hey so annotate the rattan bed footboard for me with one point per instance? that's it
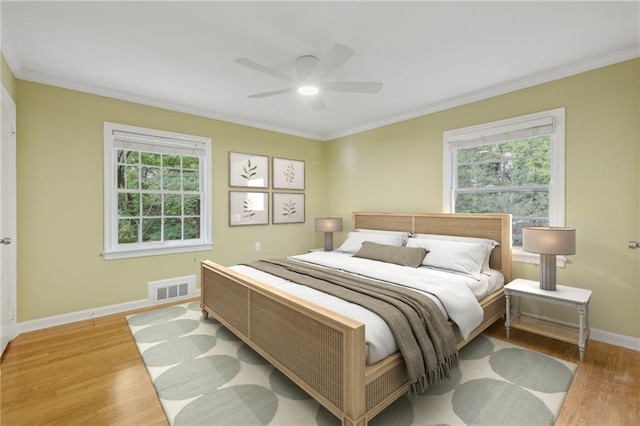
(322, 351)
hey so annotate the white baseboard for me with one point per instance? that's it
(621, 340)
(56, 320)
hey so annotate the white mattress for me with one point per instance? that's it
(456, 295)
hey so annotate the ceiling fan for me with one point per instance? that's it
(310, 75)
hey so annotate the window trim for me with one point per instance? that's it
(486, 130)
(113, 250)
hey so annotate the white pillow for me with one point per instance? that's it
(355, 239)
(453, 256)
(379, 231)
(490, 243)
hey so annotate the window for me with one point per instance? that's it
(157, 192)
(511, 166)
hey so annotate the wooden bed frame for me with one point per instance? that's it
(324, 352)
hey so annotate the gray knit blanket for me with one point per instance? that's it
(422, 333)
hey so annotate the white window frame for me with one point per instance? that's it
(114, 250)
(453, 139)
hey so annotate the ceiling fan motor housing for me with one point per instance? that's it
(305, 66)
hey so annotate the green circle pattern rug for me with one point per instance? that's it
(204, 375)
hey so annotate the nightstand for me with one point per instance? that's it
(573, 296)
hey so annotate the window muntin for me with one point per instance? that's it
(513, 166)
(156, 192)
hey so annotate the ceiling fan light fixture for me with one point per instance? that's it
(308, 90)
(311, 74)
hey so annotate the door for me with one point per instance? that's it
(8, 252)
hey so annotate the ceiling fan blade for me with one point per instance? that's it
(317, 103)
(353, 87)
(271, 93)
(337, 56)
(265, 70)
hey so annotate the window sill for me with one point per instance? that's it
(521, 256)
(126, 254)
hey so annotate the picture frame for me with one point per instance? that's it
(288, 174)
(288, 207)
(248, 208)
(248, 170)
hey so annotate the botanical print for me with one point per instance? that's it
(288, 208)
(248, 208)
(288, 174)
(248, 170)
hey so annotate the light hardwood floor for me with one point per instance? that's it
(90, 373)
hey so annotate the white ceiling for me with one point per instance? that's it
(429, 55)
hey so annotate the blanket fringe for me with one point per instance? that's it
(433, 376)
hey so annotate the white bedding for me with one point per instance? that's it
(456, 295)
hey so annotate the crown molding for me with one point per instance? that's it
(523, 83)
(37, 77)
(501, 89)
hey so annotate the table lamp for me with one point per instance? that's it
(328, 225)
(548, 242)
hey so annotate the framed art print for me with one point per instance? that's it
(248, 170)
(288, 207)
(288, 174)
(248, 208)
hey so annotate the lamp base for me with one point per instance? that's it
(328, 241)
(548, 272)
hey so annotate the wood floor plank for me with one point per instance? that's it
(78, 374)
(90, 372)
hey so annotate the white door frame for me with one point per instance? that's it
(8, 227)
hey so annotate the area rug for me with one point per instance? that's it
(205, 375)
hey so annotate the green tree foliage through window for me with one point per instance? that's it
(157, 192)
(506, 177)
(512, 166)
(158, 197)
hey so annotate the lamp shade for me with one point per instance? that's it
(549, 240)
(328, 224)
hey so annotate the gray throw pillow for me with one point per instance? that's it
(404, 256)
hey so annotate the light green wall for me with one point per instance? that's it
(392, 168)
(60, 200)
(7, 77)
(399, 168)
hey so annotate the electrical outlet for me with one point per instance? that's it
(258, 247)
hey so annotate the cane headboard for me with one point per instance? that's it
(492, 226)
